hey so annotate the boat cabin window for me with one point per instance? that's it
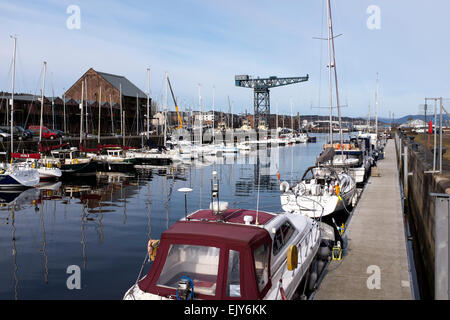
(282, 237)
(200, 263)
(261, 256)
(233, 275)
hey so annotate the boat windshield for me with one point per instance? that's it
(200, 263)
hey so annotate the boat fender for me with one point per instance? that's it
(152, 248)
(284, 187)
(292, 257)
(33, 165)
(324, 253)
(312, 278)
(312, 281)
(354, 200)
(344, 244)
(320, 266)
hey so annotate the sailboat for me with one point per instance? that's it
(161, 155)
(47, 168)
(323, 190)
(72, 161)
(16, 175)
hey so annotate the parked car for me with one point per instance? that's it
(19, 132)
(46, 132)
(59, 133)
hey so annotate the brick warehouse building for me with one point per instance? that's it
(27, 107)
(111, 87)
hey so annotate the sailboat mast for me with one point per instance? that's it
(376, 110)
(64, 112)
(42, 102)
(53, 104)
(214, 114)
(112, 114)
(137, 114)
(81, 114)
(86, 98)
(99, 114)
(335, 74)
(165, 108)
(330, 83)
(121, 113)
(12, 93)
(292, 119)
(148, 103)
(201, 116)
(276, 122)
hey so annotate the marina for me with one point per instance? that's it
(220, 180)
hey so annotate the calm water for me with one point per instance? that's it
(103, 225)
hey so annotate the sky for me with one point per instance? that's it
(208, 42)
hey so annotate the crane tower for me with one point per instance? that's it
(261, 92)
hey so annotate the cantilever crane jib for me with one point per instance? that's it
(176, 106)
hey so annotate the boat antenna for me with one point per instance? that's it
(257, 199)
(185, 191)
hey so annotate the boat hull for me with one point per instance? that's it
(18, 179)
(79, 169)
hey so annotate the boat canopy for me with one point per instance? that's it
(223, 260)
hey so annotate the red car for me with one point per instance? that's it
(46, 132)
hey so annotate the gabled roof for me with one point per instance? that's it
(128, 88)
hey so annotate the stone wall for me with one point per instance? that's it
(420, 204)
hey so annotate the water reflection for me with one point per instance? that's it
(103, 224)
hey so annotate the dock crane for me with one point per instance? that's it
(176, 107)
(261, 92)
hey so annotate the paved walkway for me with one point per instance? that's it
(376, 264)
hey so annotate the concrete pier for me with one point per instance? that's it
(376, 265)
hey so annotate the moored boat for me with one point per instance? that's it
(222, 253)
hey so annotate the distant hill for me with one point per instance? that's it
(414, 117)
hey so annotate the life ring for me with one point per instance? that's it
(75, 161)
(292, 258)
(152, 248)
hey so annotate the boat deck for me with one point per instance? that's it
(376, 265)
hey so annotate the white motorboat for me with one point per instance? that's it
(222, 253)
